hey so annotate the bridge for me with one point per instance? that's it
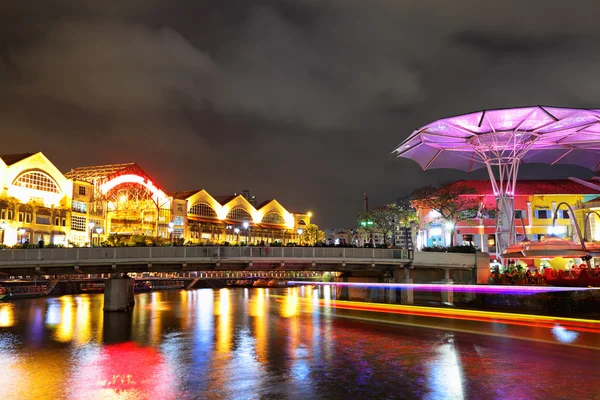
(98, 260)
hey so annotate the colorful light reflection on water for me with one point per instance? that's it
(286, 343)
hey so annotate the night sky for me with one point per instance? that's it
(299, 100)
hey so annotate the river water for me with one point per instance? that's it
(275, 344)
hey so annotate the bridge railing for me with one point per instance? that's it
(120, 253)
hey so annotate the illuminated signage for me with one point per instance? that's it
(147, 183)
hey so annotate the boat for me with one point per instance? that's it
(581, 278)
(260, 283)
(141, 286)
(22, 291)
(92, 287)
(277, 283)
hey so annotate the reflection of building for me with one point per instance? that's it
(536, 202)
(38, 202)
(235, 219)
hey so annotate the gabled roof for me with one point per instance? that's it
(222, 200)
(185, 194)
(530, 187)
(98, 172)
(264, 203)
(10, 159)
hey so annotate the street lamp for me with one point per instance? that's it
(300, 231)
(237, 232)
(170, 229)
(98, 231)
(309, 214)
(91, 226)
(246, 226)
(22, 233)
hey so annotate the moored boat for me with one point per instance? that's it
(260, 283)
(22, 291)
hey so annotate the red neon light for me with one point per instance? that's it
(131, 178)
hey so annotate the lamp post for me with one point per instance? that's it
(170, 229)
(21, 233)
(299, 232)
(91, 226)
(98, 231)
(3, 226)
(237, 233)
(246, 226)
(228, 229)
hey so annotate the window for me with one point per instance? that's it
(78, 223)
(64, 222)
(82, 190)
(563, 214)
(42, 219)
(38, 181)
(3, 214)
(179, 207)
(274, 218)
(79, 206)
(467, 240)
(239, 214)
(28, 217)
(203, 209)
(178, 221)
(57, 221)
(543, 214)
(520, 214)
(10, 214)
(21, 216)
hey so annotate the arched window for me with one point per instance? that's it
(239, 214)
(301, 222)
(273, 218)
(203, 210)
(38, 181)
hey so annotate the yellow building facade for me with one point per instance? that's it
(96, 203)
(537, 202)
(235, 219)
(35, 200)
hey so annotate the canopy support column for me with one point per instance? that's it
(504, 191)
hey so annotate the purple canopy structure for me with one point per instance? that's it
(500, 140)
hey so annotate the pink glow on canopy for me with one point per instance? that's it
(467, 141)
(156, 192)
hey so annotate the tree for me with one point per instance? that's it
(454, 203)
(312, 235)
(386, 220)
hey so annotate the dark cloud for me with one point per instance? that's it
(301, 100)
(502, 45)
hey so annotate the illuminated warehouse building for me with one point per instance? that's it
(87, 204)
(35, 200)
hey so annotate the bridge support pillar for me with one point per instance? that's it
(342, 291)
(407, 295)
(118, 294)
(448, 294)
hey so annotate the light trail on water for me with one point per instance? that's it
(482, 289)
